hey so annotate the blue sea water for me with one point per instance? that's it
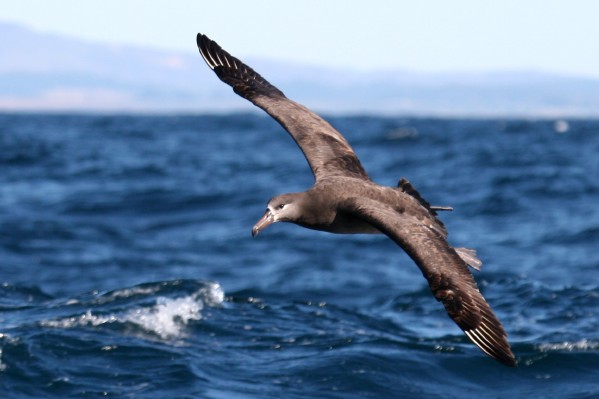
(127, 268)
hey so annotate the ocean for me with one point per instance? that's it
(128, 269)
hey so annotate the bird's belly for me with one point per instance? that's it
(347, 224)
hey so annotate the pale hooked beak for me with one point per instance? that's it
(264, 222)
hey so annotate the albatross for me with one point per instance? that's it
(345, 200)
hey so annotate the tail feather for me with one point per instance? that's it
(405, 186)
(469, 256)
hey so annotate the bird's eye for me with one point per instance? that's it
(281, 206)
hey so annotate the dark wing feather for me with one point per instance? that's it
(446, 273)
(326, 150)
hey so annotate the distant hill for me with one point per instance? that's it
(47, 72)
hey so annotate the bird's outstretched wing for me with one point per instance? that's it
(447, 275)
(327, 151)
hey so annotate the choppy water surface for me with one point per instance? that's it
(128, 269)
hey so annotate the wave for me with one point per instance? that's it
(153, 310)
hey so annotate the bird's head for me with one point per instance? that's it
(282, 208)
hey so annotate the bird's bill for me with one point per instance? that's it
(264, 222)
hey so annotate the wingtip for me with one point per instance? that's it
(201, 40)
(494, 346)
(511, 362)
(507, 359)
(204, 44)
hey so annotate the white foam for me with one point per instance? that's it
(2, 365)
(86, 319)
(582, 345)
(167, 318)
(128, 293)
(212, 294)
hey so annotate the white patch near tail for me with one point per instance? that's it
(469, 256)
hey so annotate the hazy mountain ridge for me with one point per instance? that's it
(50, 72)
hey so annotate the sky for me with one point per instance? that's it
(427, 36)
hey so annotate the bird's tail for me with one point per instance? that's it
(469, 256)
(405, 186)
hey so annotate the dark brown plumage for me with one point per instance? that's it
(344, 200)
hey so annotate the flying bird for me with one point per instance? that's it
(345, 200)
